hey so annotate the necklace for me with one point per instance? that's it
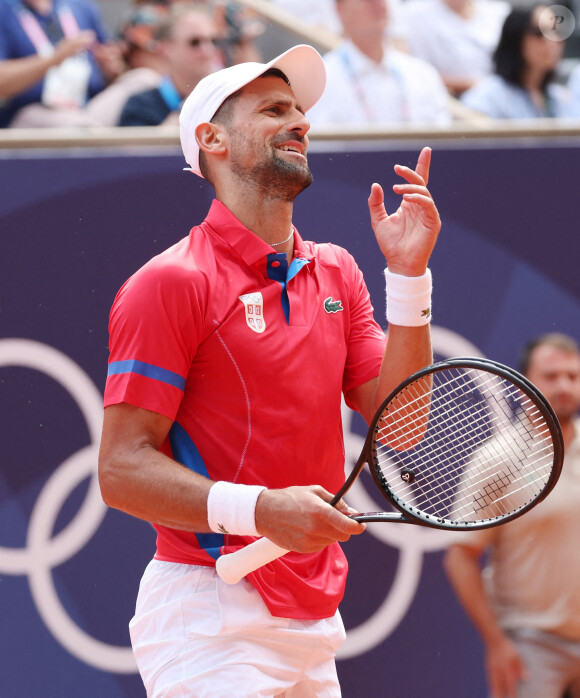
(276, 244)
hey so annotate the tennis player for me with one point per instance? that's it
(229, 353)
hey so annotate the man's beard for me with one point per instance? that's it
(276, 177)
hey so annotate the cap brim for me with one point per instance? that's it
(304, 68)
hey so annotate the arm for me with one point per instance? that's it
(406, 238)
(18, 74)
(503, 664)
(138, 479)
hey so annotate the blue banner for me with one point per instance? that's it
(74, 227)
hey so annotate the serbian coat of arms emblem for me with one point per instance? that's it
(254, 306)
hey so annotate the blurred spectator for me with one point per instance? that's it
(526, 604)
(574, 88)
(523, 85)
(53, 53)
(318, 13)
(189, 40)
(370, 82)
(324, 15)
(458, 37)
(144, 59)
(240, 27)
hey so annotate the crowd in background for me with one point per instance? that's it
(397, 61)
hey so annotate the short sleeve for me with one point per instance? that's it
(366, 340)
(153, 333)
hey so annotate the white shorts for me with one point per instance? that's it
(195, 637)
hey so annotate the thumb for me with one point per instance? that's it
(377, 203)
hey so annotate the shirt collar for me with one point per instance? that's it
(247, 244)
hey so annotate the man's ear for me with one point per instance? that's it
(211, 138)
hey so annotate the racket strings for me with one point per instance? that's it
(475, 444)
(484, 482)
(409, 425)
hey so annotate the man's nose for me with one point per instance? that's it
(299, 123)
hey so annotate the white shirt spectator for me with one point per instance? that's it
(573, 110)
(498, 99)
(322, 13)
(319, 13)
(458, 47)
(399, 89)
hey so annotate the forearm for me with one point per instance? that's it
(19, 74)
(137, 478)
(464, 573)
(408, 350)
(150, 486)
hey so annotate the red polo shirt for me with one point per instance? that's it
(249, 357)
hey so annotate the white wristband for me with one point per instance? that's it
(231, 508)
(408, 299)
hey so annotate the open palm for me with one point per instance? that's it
(407, 236)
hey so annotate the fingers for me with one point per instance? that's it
(301, 519)
(338, 517)
(423, 164)
(406, 189)
(420, 175)
(377, 205)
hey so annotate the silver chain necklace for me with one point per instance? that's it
(275, 244)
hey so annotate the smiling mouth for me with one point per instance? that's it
(290, 149)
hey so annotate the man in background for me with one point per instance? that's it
(54, 56)
(457, 37)
(526, 604)
(189, 41)
(146, 64)
(369, 82)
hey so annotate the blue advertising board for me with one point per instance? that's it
(74, 226)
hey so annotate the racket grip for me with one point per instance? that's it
(233, 567)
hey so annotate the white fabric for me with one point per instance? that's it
(194, 635)
(552, 665)
(231, 508)
(360, 91)
(534, 568)
(408, 299)
(573, 109)
(457, 47)
(321, 13)
(496, 98)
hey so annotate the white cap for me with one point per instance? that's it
(302, 65)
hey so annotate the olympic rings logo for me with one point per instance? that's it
(44, 551)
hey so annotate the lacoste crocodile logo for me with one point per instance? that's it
(332, 306)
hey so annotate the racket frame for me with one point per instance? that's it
(409, 514)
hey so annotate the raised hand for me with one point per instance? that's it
(407, 236)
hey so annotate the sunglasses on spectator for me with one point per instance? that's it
(199, 40)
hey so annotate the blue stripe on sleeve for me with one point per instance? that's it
(147, 370)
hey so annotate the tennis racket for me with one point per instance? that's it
(462, 444)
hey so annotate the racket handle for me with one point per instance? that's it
(233, 567)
